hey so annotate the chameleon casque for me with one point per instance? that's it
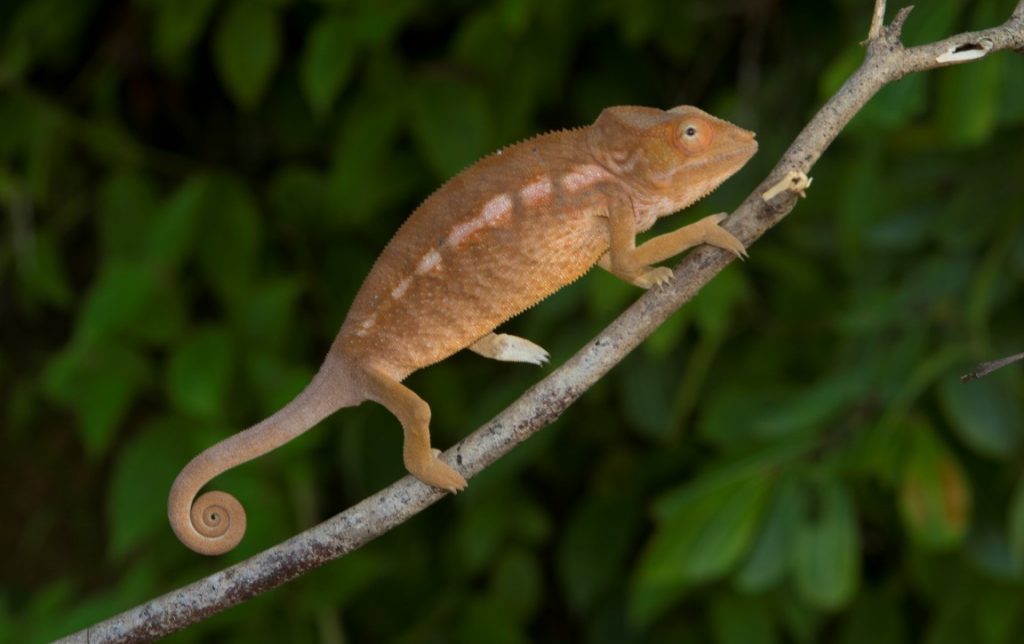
(491, 242)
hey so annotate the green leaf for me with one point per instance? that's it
(713, 307)
(812, 406)
(99, 384)
(876, 618)
(768, 562)
(172, 233)
(299, 194)
(450, 124)
(701, 540)
(247, 47)
(1011, 110)
(1016, 525)
(594, 549)
(517, 584)
(179, 24)
(116, 302)
(231, 237)
(44, 274)
(646, 392)
(968, 104)
(985, 414)
(363, 155)
(144, 470)
(935, 495)
(328, 62)
(199, 372)
(743, 620)
(826, 548)
(126, 201)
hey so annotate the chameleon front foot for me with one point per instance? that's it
(657, 276)
(717, 236)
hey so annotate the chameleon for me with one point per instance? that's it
(492, 241)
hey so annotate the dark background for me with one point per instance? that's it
(192, 191)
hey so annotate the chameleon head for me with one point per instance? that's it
(669, 159)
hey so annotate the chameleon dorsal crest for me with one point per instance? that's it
(494, 240)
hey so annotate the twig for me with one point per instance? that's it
(986, 368)
(886, 61)
(877, 21)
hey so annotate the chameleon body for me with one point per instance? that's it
(494, 240)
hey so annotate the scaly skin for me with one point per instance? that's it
(493, 241)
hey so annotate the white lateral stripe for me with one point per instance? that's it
(490, 215)
(536, 191)
(401, 288)
(583, 176)
(429, 262)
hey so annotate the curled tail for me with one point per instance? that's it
(215, 522)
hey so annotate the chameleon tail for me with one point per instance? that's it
(215, 522)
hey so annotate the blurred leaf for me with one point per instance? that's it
(117, 302)
(328, 62)
(768, 561)
(646, 398)
(876, 619)
(1016, 525)
(1012, 103)
(230, 240)
(969, 101)
(144, 471)
(266, 317)
(483, 531)
(174, 224)
(985, 413)
(700, 540)
(482, 614)
(369, 129)
(43, 272)
(298, 195)
(247, 48)
(593, 550)
(199, 372)
(126, 201)
(813, 406)
(517, 584)
(743, 620)
(825, 550)
(990, 551)
(99, 384)
(450, 124)
(713, 308)
(935, 495)
(179, 25)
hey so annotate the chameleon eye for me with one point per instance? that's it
(693, 136)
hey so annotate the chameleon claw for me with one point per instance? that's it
(659, 276)
(722, 238)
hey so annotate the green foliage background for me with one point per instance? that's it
(192, 191)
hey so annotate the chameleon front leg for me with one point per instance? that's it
(414, 414)
(509, 348)
(632, 263)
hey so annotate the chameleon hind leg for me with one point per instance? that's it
(509, 348)
(414, 415)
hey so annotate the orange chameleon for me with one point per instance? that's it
(493, 241)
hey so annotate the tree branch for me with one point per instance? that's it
(986, 368)
(886, 61)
